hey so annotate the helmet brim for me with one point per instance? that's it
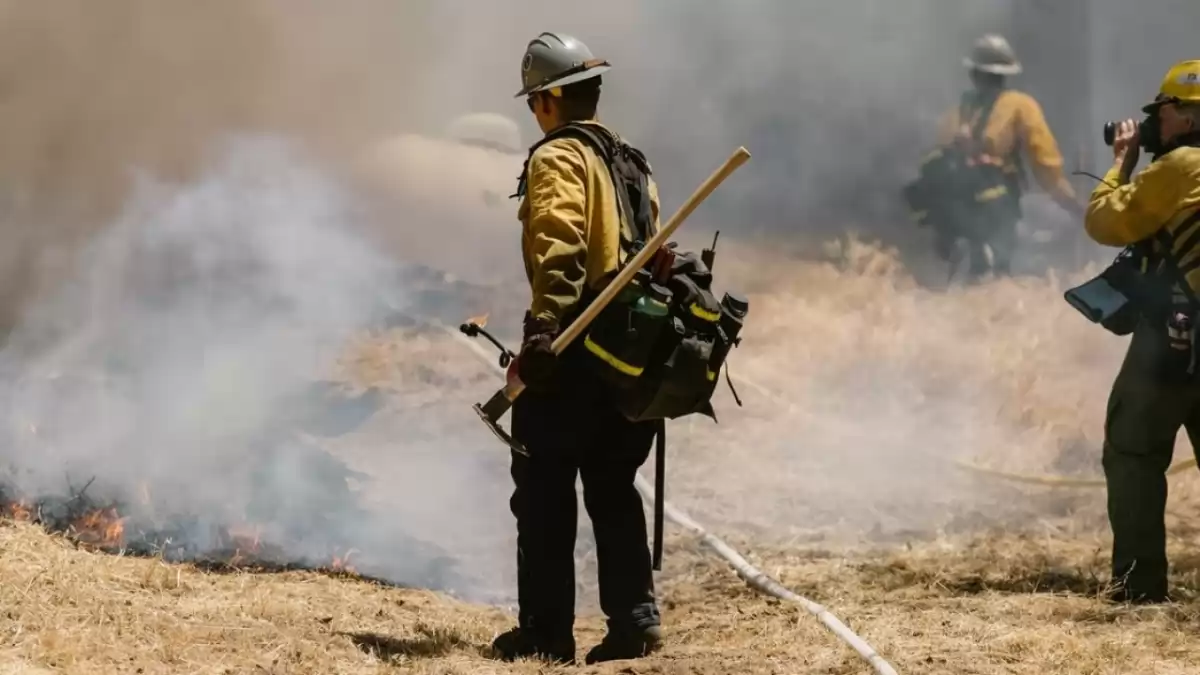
(562, 82)
(994, 68)
(1153, 106)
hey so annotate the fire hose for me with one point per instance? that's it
(754, 577)
(1052, 481)
(1009, 476)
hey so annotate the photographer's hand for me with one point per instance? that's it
(1127, 147)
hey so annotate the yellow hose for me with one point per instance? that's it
(1029, 479)
(1051, 481)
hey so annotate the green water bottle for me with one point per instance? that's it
(654, 302)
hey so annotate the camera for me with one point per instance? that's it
(1147, 132)
(1110, 133)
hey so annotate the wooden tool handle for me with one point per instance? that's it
(643, 256)
(738, 158)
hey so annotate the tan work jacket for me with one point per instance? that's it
(1164, 195)
(571, 226)
(1016, 119)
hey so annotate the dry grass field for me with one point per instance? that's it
(835, 478)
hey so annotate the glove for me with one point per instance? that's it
(536, 362)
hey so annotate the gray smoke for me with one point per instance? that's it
(169, 294)
(176, 361)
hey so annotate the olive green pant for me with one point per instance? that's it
(1143, 420)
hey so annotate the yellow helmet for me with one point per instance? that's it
(1181, 85)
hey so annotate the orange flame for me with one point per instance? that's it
(18, 511)
(342, 563)
(480, 321)
(102, 528)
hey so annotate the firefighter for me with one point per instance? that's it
(992, 125)
(565, 419)
(1155, 392)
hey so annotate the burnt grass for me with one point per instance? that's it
(175, 543)
(324, 534)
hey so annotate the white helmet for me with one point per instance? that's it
(993, 54)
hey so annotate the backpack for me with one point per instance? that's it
(955, 190)
(660, 344)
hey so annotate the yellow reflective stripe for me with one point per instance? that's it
(711, 376)
(632, 371)
(704, 313)
(992, 193)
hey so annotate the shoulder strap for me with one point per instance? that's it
(971, 101)
(660, 488)
(625, 164)
(1167, 242)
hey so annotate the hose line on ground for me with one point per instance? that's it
(1012, 477)
(754, 577)
(762, 583)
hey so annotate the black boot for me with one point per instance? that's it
(623, 644)
(521, 643)
(1141, 583)
(1124, 593)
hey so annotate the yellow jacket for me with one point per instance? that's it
(571, 226)
(1017, 117)
(1165, 194)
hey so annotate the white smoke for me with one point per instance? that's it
(178, 361)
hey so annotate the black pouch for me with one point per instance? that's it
(1103, 303)
(622, 339)
(1120, 296)
(1175, 362)
(679, 383)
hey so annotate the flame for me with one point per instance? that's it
(342, 563)
(18, 511)
(102, 528)
(480, 321)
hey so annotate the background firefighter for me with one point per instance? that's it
(1156, 391)
(566, 420)
(990, 128)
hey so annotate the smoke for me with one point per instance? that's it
(835, 103)
(178, 360)
(169, 292)
(91, 94)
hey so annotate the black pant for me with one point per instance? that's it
(575, 429)
(1144, 416)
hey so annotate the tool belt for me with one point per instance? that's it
(964, 190)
